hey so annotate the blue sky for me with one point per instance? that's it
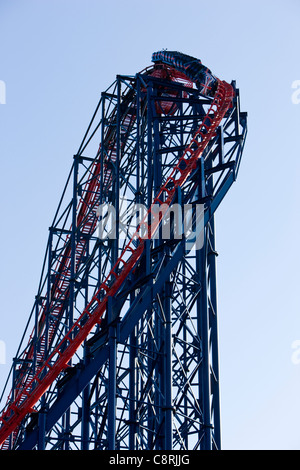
(56, 57)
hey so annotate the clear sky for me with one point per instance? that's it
(56, 57)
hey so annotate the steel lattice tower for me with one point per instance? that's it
(121, 349)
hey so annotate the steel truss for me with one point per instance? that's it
(147, 375)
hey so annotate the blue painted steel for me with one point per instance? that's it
(112, 380)
(148, 376)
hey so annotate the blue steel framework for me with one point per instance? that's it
(148, 376)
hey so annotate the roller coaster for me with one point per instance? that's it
(121, 345)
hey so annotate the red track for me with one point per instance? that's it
(33, 387)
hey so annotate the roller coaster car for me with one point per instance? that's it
(191, 68)
(166, 73)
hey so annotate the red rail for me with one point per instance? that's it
(57, 361)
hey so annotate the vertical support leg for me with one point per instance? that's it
(85, 413)
(42, 429)
(168, 370)
(132, 393)
(85, 426)
(211, 256)
(42, 414)
(112, 380)
(67, 418)
(203, 328)
(150, 312)
(116, 202)
(132, 386)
